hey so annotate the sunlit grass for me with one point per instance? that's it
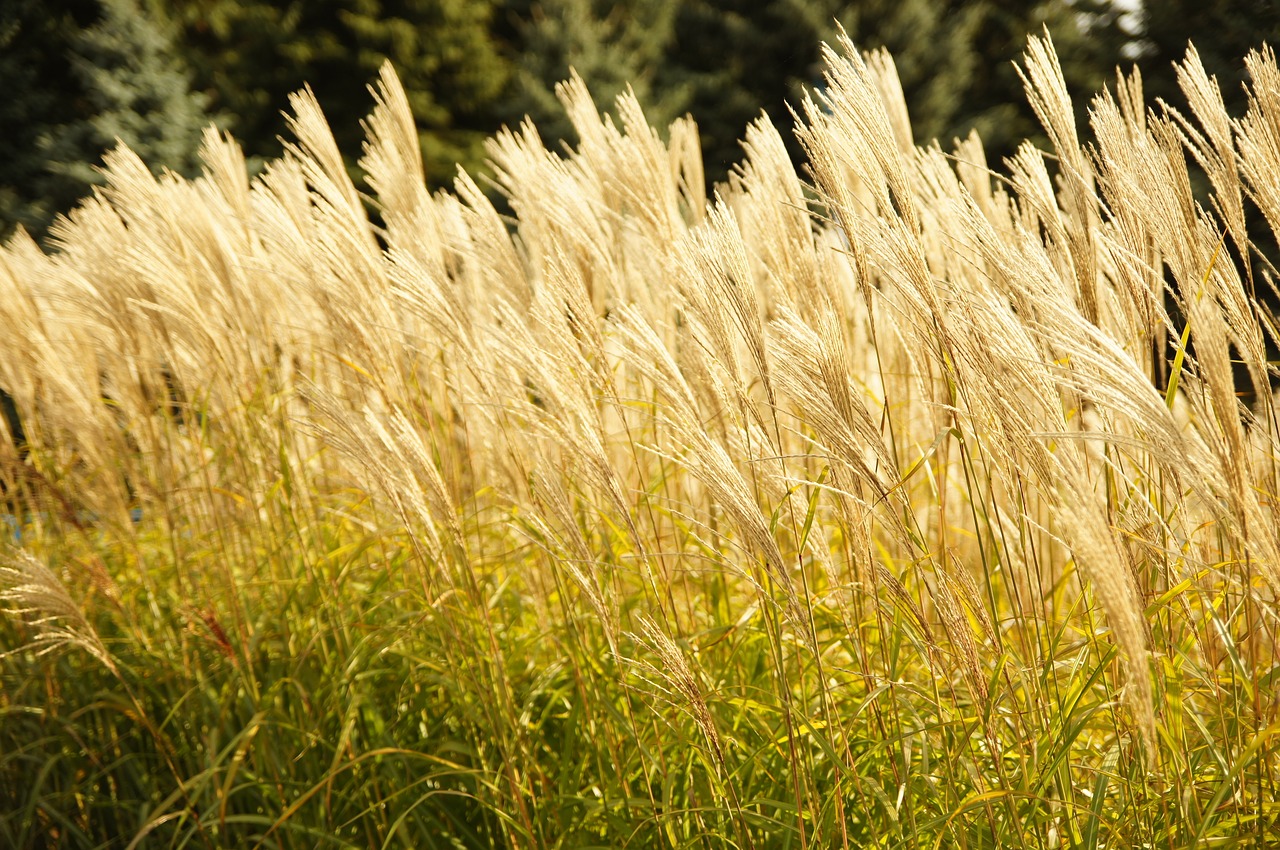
(858, 511)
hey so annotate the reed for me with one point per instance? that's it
(899, 502)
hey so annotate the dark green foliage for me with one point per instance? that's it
(610, 45)
(42, 92)
(136, 90)
(1224, 32)
(249, 56)
(935, 48)
(472, 65)
(956, 61)
(1089, 39)
(738, 57)
(87, 75)
(316, 696)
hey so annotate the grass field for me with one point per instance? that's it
(898, 503)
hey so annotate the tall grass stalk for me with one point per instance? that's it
(900, 503)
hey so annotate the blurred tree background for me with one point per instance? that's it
(78, 74)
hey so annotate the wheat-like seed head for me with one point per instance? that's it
(35, 594)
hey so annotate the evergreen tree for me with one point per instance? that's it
(934, 48)
(250, 55)
(115, 77)
(958, 60)
(136, 89)
(611, 46)
(955, 59)
(736, 58)
(41, 92)
(1224, 31)
(472, 65)
(739, 57)
(1089, 38)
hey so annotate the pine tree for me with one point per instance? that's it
(116, 77)
(1224, 31)
(610, 46)
(735, 58)
(137, 90)
(739, 57)
(41, 92)
(934, 49)
(955, 59)
(1089, 38)
(250, 55)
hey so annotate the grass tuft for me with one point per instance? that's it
(905, 503)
